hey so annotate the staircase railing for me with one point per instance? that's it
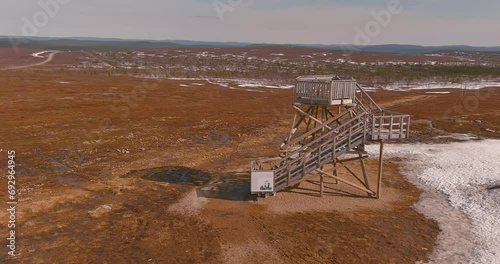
(315, 130)
(296, 164)
(364, 101)
(369, 123)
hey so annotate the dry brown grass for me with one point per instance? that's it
(79, 138)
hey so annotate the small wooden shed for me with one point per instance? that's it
(325, 90)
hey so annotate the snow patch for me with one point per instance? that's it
(39, 54)
(250, 85)
(463, 172)
(185, 79)
(462, 137)
(437, 92)
(256, 91)
(442, 85)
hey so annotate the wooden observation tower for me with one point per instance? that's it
(333, 120)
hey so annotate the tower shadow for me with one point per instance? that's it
(234, 186)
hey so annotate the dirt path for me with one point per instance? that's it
(99, 59)
(48, 60)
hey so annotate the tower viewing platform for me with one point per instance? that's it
(325, 90)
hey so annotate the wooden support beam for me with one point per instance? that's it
(312, 117)
(338, 167)
(300, 138)
(351, 159)
(347, 182)
(335, 173)
(363, 169)
(295, 125)
(292, 127)
(302, 117)
(309, 119)
(330, 113)
(354, 174)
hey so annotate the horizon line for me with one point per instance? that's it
(243, 42)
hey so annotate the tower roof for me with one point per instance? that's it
(325, 78)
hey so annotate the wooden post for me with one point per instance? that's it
(322, 177)
(321, 184)
(408, 127)
(380, 164)
(401, 125)
(308, 115)
(363, 169)
(315, 117)
(390, 128)
(335, 170)
(291, 128)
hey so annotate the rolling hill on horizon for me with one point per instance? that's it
(103, 44)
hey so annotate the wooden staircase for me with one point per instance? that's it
(363, 121)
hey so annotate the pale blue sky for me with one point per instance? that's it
(424, 22)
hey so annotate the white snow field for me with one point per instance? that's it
(473, 85)
(462, 173)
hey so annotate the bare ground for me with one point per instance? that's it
(114, 169)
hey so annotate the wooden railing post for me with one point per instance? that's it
(390, 127)
(380, 165)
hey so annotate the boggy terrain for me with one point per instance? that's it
(120, 169)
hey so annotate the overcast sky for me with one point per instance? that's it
(424, 22)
